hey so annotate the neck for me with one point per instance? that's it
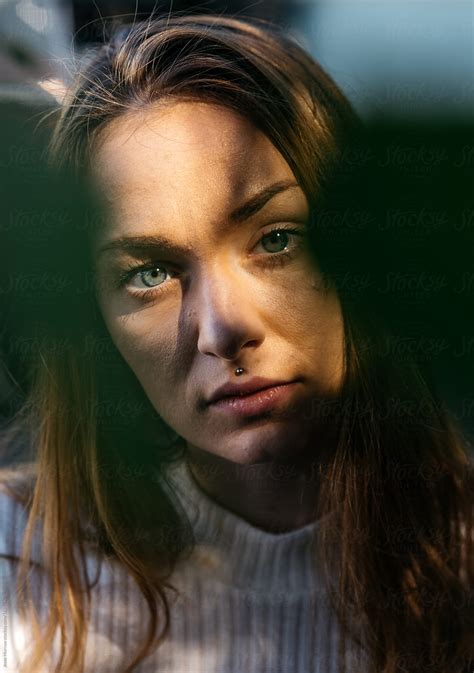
(272, 496)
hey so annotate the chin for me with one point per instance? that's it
(264, 445)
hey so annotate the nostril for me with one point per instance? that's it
(251, 343)
(223, 342)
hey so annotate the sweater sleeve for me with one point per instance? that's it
(112, 611)
(13, 519)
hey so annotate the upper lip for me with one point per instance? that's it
(236, 389)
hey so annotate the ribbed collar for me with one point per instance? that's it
(240, 554)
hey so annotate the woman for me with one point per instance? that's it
(215, 434)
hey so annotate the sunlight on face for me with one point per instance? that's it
(203, 267)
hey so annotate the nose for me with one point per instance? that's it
(228, 319)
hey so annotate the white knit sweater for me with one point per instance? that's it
(250, 601)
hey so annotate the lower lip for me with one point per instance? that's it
(256, 403)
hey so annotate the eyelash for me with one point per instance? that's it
(270, 260)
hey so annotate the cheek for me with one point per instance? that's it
(315, 326)
(327, 324)
(305, 310)
(150, 351)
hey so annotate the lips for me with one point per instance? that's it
(254, 397)
(254, 385)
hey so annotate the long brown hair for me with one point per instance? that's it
(398, 482)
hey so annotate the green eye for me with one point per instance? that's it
(153, 277)
(275, 241)
(280, 239)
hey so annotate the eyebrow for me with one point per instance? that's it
(140, 244)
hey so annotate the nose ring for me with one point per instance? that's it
(239, 371)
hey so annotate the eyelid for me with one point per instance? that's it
(298, 230)
(133, 270)
(297, 227)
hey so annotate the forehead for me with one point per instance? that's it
(181, 136)
(190, 159)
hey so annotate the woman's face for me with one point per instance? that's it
(192, 283)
